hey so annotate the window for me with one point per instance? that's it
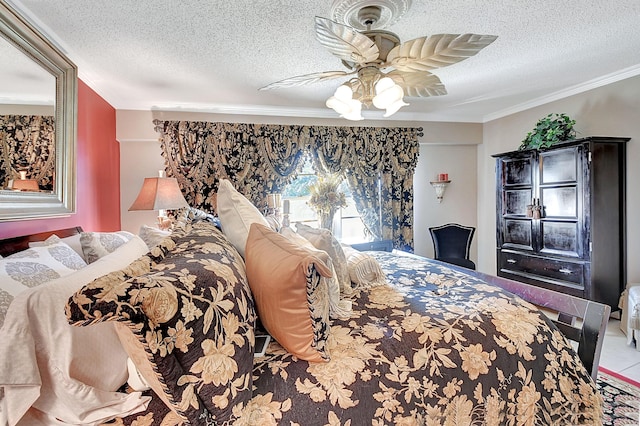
(347, 224)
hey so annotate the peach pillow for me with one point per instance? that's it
(292, 303)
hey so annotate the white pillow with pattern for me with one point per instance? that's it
(98, 244)
(34, 266)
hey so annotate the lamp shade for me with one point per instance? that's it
(159, 193)
(25, 185)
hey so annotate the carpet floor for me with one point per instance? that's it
(621, 399)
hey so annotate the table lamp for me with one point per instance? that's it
(160, 193)
(24, 184)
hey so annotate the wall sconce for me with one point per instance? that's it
(440, 185)
(160, 193)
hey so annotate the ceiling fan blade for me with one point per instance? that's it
(302, 80)
(345, 42)
(436, 51)
(418, 84)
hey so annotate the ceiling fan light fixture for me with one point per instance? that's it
(343, 103)
(366, 50)
(394, 107)
(389, 96)
(356, 112)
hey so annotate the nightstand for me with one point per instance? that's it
(380, 245)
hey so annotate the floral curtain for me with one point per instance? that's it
(258, 159)
(27, 142)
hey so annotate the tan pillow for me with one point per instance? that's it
(323, 239)
(337, 308)
(236, 215)
(292, 303)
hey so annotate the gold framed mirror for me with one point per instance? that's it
(29, 45)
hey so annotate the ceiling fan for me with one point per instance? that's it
(384, 69)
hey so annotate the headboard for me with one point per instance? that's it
(16, 244)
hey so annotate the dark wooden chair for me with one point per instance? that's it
(452, 242)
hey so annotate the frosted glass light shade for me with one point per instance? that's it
(388, 96)
(343, 103)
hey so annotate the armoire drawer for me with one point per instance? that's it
(572, 273)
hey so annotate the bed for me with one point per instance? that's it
(435, 344)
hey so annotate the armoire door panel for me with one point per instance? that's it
(518, 234)
(559, 166)
(518, 171)
(561, 238)
(516, 201)
(560, 202)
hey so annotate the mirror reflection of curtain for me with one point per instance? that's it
(27, 143)
(258, 159)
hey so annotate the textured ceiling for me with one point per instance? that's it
(213, 55)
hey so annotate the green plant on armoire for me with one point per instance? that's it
(549, 130)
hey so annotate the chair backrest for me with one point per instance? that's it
(452, 240)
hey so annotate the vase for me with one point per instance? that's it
(326, 219)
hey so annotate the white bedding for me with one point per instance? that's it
(50, 370)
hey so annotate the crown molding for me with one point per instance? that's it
(614, 77)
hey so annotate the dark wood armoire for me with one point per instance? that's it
(561, 217)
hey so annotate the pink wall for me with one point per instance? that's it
(98, 173)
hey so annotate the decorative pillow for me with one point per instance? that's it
(324, 240)
(364, 269)
(73, 241)
(152, 236)
(337, 308)
(292, 303)
(35, 266)
(195, 316)
(236, 215)
(98, 244)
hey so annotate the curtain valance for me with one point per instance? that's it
(263, 158)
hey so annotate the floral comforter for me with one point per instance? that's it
(435, 347)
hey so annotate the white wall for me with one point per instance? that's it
(612, 110)
(460, 198)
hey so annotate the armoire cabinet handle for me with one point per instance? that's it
(566, 271)
(512, 261)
